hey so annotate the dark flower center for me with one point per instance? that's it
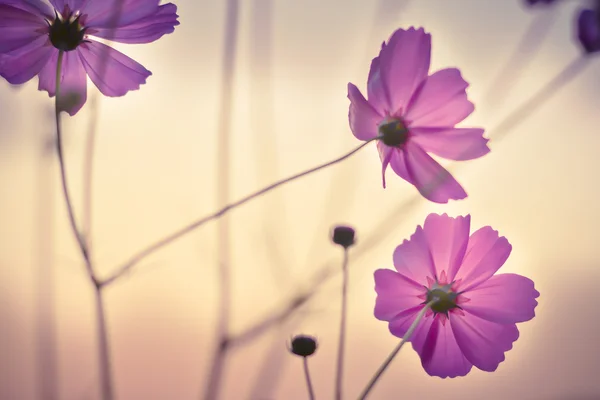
(66, 31)
(394, 133)
(446, 299)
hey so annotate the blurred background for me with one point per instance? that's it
(155, 170)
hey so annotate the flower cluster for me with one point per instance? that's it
(444, 295)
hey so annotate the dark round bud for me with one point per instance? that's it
(303, 345)
(343, 235)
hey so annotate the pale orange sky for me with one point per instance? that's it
(155, 171)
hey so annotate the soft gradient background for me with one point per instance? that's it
(155, 170)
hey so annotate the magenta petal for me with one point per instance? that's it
(504, 298)
(386, 155)
(430, 178)
(483, 342)
(395, 294)
(441, 101)
(144, 30)
(101, 13)
(73, 4)
(73, 82)
(37, 7)
(121, 74)
(448, 239)
(404, 64)
(458, 144)
(364, 120)
(440, 354)
(376, 90)
(18, 69)
(486, 253)
(401, 322)
(18, 28)
(413, 258)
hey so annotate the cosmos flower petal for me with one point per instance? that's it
(588, 30)
(121, 73)
(440, 354)
(430, 178)
(458, 144)
(36, 7)
(413, 259)
(73, 4)
(504, 298)
(376, 90)
(395, 294)
(486, 253)
(144, 30)
(386, 155)
(483, 342)
(398, 164)
(20, 68)
(364, 120)
(401, 322)
(19, 28)
(441, 101)
(448, 239)
(404, 64)
(102, 14)
(73, 83)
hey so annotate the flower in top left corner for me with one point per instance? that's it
(33, 32)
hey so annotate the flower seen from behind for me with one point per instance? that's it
(32, 32)
(474, 321)
(416, 114)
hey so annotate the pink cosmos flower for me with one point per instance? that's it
(33, 31)
(416, 113)
(474, 322)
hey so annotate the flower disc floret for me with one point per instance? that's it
(66, 31)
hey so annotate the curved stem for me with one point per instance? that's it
(189, 228)
(342, 341)
(309, 386)
(63, 172)
(393, 354)
(103, 346)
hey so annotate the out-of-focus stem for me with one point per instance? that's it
(217, 368)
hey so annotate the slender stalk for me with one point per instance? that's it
(125, 267)
(394, 352)
(63, 173)
(103, 347)
(309, 386)
(342, 341)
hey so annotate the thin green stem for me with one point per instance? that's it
(125, 267)
(103, 345)
(342, 340)
(393, 354)
(309, 386)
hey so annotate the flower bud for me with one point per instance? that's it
(303, 345)
(343, 235)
